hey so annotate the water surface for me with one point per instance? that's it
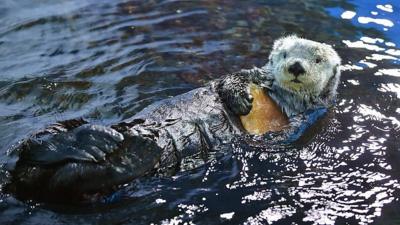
(106, 60)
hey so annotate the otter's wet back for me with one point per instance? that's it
(107, 60)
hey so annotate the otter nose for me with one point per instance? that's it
(296, 69)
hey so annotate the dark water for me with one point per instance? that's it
(106, 60)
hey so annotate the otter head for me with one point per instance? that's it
(304, 68)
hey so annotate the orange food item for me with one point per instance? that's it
(265, 114)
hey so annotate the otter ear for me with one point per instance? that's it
(329, 91)
(278, 43)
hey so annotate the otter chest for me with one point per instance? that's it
(265, 114)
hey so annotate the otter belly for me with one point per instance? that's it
(265, 114)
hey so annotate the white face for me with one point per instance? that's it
(302, 66)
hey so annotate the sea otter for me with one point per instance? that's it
(72, 159)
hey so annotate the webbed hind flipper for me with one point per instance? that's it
(65, 166)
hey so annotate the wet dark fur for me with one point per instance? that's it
(73, 159)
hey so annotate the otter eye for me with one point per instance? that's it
(284, 55)
(318, 60)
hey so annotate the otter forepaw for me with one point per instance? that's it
(235, 93)
(241, 103)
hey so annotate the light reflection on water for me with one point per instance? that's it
(108, 60)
